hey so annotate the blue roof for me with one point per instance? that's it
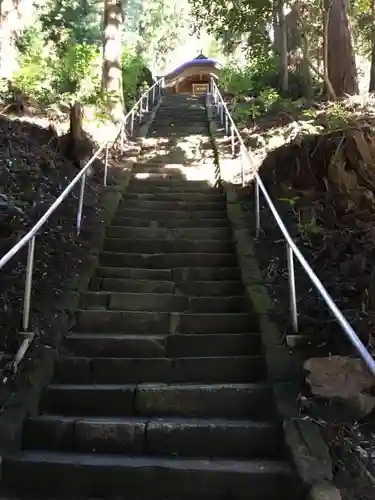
(193, 62)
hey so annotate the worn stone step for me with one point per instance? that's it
(163, 246)
(187, 206)
(156, 322)
(73, 370)
(177, 274)
(191, 437)
(154, 346)
(150, 215)
(234, 400)
(165, 260)
(120, 220)
(176, 196)
(101, 475)
(133, 273)
(168, 186)
(131, 285)
(158, 233)
(190, 288)
(122, 301)
(164, 169)
(116, 345)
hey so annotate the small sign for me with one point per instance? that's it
(200, 88)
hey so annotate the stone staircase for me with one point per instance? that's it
(161, 390)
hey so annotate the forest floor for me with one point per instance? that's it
(318, 165)
(33, 172)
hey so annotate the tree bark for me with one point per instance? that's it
(305, 42)
(342, 71)
(372, 74)
(112, 71)
(283, 49)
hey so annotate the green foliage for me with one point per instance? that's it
(234, 23)
(132, 72)
(50, 73)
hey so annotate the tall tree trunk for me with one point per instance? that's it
(342, 71)
(372, 74)
(112, 71)
(283, 49)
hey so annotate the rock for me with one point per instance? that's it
(309, 451)
(324, 491)
(344, 383)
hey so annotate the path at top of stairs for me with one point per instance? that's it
(161, 389)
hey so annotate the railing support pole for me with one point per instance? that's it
(257, 208)
(132, 124)
(242, 165)
(80, 203)
(232, 140)
(122, 143)
(292, 288)
(106, 165)
(28, 284)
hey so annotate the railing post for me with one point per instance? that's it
(132, 123)
(28, 284)
(292, 288)
(222, 114)
(257, 208)
(80, 203)
(122, 139)
(153, 95)
(106, 165)
(242, 163)
(232, 141)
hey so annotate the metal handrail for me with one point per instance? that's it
(291, 248)
(150, 97)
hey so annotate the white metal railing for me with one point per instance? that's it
(292, 251)
(147, 100)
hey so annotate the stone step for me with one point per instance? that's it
(189, 437)
(165, 260)
(121, 301)
(248, 400)
(166, 246)
(178, 223)
(190, 288)
(154, 346)
(168, 186)
(131, 285)
(177, 274)
(159, 323)
(171, 205)
(159, 233)
(164, 169)
(73, 370)
(151, 215)
(99, 475)
(167, 196)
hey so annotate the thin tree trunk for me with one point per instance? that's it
(284, 73)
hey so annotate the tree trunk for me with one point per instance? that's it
(372, 74)
(342, 71)
(283, 48)
(112, 71)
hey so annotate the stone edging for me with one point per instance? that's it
(24, 399)
(304, 442)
